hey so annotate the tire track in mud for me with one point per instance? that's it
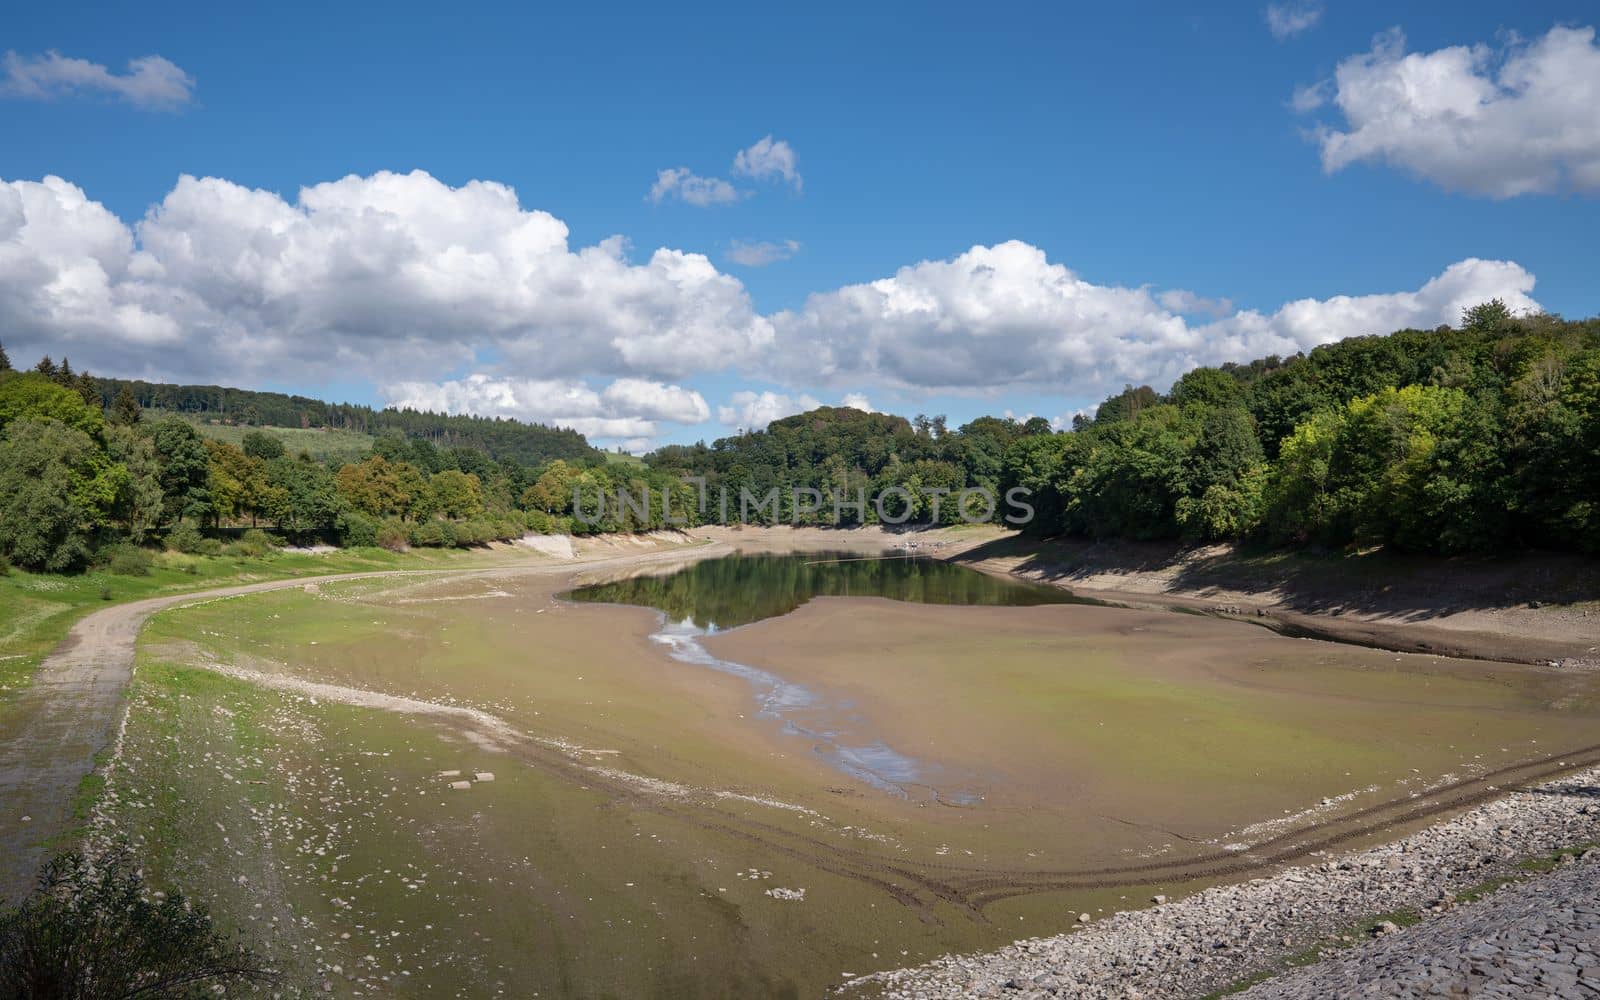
(919, 886)
(66, 717)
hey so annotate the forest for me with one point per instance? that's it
(85, 484)
(1476, 438)
(528, 444)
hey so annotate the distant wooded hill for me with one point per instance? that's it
(500, 438)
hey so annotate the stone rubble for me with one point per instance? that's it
(1220, 936)
(1540, 938)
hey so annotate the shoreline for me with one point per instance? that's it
(1537, 608)
(1225, 936)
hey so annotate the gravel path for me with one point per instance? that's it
(1220, 936)
(69, 713)
(1537, 939)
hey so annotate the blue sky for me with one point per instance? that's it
(1136, 148)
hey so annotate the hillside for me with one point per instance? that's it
(220, 406)
(1476, 438)
(324, 444)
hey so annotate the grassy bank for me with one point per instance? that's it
(37, 609)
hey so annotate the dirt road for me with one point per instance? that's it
(71, 711)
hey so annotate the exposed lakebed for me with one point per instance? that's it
(289, 759)
(715, 595)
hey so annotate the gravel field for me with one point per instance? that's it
(1541, 938)
(1217, 938)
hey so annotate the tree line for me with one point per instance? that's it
(498, 437)
(84, 479)
(1476, 438)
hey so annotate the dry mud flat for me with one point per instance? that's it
(68, 715)
(1222, 935)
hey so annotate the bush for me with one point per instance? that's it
(254, 543)
(105, 591)
(394, 535)
(357, 529)
(129, 560)
(186, 538)
(5, 566)
(89, 930)
(431, 534)
(474, 532)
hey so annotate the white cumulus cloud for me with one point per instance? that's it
(769, 159)
(627, 410)
(404, 281)
(752, 411)
(151, 82)
(1005, 317)
(1292, 17)
(1518, 120)
(389, 275)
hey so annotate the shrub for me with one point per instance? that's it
(474, 532)
(357, 529)
(129, 560)
(254, 543)
(5, 565)
(431, 534)
(185, 538)
(105, 591)
(394, 535)
(90, 930)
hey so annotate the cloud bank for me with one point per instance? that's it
(461, 299)
(1514, 121)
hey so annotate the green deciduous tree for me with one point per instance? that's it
(56, 487)
(32, 396)
(138, 505)
(185, 468)
(457, 494)
(260, 444)
(302, 496)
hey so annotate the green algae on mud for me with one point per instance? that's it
(1104, 740)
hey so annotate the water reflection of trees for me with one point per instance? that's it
(737, 590)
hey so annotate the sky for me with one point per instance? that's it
(667, 224)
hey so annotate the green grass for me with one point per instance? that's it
(320, 443)
(1347, 938)
(37, 609)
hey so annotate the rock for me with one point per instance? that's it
(1083, 918)
(459, 785)
(483, 776)
(1385, 927)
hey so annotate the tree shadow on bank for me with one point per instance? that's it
(1405, 587)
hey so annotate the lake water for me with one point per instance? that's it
(718, 594)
